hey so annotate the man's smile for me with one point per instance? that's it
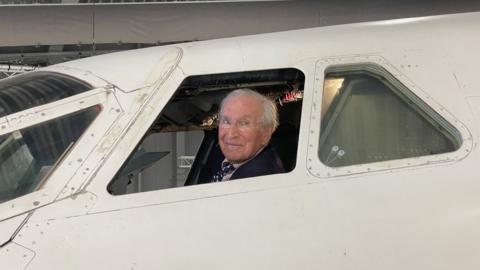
(233, 145)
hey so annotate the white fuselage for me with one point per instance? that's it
(412, 213)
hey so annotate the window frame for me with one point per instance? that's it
(172, 88)
(379, 66)
(159, 196)
(58, 185)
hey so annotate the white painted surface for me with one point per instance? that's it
(9, 227)
(14, 256)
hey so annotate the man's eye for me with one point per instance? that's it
(225, 122)
(244, 123)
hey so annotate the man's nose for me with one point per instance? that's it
(233, 131)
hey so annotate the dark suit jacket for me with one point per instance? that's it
(266, 162)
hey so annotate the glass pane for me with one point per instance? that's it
(37, 88)
(28, 155)
(364, 120)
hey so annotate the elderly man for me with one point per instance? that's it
(246, 122)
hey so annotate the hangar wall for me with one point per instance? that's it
(45, 34)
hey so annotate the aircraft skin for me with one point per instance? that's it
(412, 213)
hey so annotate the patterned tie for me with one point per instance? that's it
(226, 169)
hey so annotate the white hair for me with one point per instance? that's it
(270, 112)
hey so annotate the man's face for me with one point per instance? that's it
(241, 133)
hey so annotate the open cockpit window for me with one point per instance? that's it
(29, 155)
(368, 116)
(182, 145)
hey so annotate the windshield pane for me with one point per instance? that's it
(37, 88)
(28, 155)
(365, 119)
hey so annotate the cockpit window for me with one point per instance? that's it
(28, 155)
(181, 147)
(371, 117)
(37, 88)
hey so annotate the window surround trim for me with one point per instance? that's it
(109, 202)
(61, 176)
(377, 65)
(37, 115)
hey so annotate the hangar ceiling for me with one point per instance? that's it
(44, 32)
